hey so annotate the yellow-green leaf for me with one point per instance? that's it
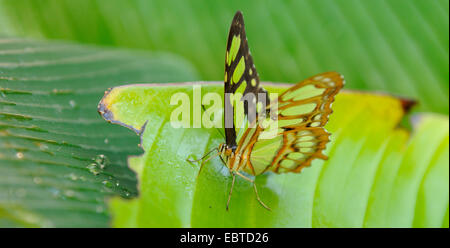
(378, 174)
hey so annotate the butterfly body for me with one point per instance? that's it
(235, 161)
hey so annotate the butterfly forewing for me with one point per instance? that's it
(303, 110)
(240, 76)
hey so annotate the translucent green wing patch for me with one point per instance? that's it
(303, 111)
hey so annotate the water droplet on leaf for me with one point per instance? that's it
(19, 155)
(37, 180)
(107, 184)
(93, 168)
(99, 209)
(72, 103)
(73, 177)
(69, 193)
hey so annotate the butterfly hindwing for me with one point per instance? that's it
(240, 74)
(303, 111)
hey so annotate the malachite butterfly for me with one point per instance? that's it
(301, 113)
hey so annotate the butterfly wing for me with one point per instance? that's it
(303, 111)
(240, 74)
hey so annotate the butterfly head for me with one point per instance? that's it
(225, 150)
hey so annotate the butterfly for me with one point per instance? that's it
(297, 118)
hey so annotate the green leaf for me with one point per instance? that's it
(401, 46)
(58, 158)
(378, 174)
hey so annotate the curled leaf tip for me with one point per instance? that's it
(407, 104)
(104, 109)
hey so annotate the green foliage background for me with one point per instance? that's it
(49, 129)
(393, 46)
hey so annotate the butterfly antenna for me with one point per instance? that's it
(205, 161)
(204, 156)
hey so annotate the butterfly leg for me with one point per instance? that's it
(254, 187)
(231, 189)
(205, 161)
